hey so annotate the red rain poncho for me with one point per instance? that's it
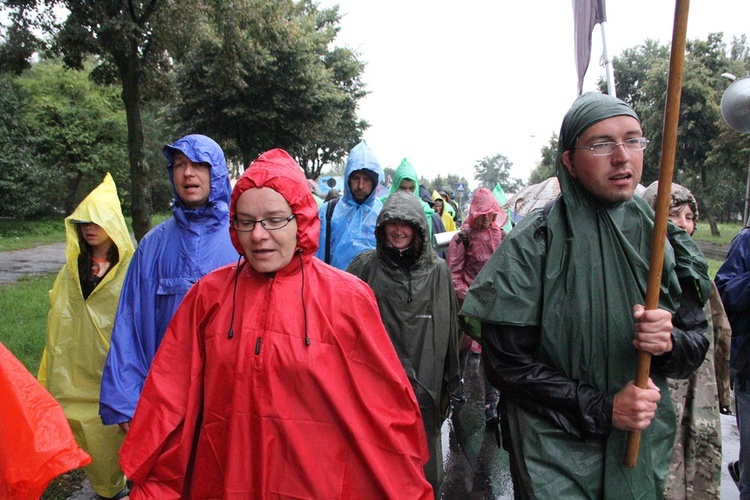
(307, 398)
(36, 443)
(465, 261)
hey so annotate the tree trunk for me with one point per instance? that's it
(139, 176)
(713, 225)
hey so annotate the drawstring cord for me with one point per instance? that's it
(230, 333)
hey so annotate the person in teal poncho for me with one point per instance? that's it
(560, 304)
(406, 179)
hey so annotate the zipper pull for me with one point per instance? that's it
(257, 346)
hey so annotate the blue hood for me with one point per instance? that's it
(201, 149)
(362, 158)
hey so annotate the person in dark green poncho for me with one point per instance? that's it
(560, 304)
(417, 303)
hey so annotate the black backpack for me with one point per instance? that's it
(329, 214)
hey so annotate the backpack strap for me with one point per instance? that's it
(329, 214)
(545, 212)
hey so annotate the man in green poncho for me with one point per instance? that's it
(562, 320)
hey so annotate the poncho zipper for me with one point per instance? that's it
(259, 339)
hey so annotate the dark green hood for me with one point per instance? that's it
(404, 206)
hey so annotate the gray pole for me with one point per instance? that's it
(607, 62)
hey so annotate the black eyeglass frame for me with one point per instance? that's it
(252, 223)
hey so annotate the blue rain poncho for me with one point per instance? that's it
(78, 333)
(170, 258)
(352, 223)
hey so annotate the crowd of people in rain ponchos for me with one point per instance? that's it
(218, 359)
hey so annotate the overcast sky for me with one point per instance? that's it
(453, 83)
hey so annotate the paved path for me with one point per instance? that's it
(43, 259)
(713, 251)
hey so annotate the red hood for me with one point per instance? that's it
(277, 170)
(484, 202)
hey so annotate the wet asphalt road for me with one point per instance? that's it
(43, 259)
(475, 466)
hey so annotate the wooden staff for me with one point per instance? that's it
(666, 168)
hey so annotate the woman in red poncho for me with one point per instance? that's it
(276, 377)
(468, 252)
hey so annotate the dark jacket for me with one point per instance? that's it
(418, 308)
(733, 282)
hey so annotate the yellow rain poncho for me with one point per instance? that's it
(446, 216)
(78, 333)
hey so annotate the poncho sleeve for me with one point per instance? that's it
(127, 363)
(733, 277)
(456, 259)
(154, 455)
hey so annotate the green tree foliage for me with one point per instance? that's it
(451, 180)
(158, 131)
(710, 159)
(21, 193)
(260, 83)
(18, 42)
(493, 170)
(134, 42)
(546, 168)
(73, 132)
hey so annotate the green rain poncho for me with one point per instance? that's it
(406, 170)
(78, 333)
(418, 308)
(577, 282)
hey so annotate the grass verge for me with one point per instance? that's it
(23, 328)
(20, 234)
(23, 322)
(16, 234)
(727, 231)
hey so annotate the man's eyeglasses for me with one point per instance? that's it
(269, 224)
(608, 148)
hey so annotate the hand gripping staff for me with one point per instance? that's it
(661, 209)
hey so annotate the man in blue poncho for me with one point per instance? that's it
(170, 258)
(560, 303)
(347, 224)
(733, 283)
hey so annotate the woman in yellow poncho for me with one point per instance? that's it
(441, 207)
(83, 304)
